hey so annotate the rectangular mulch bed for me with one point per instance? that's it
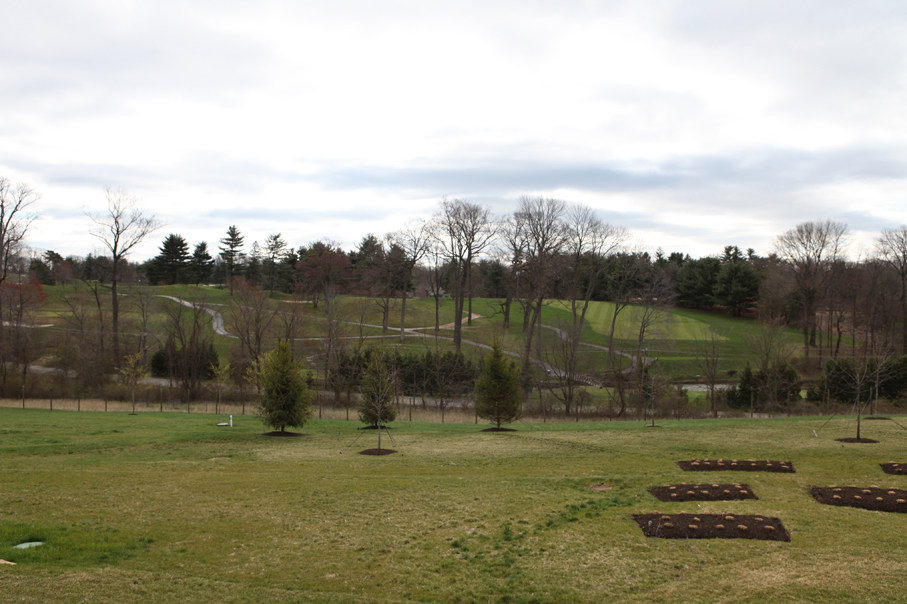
(711, 526)
(867, 498)
(703, 492)
(736, 465)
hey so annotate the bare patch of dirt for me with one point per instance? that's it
(872, 417)
(856, 440)
(377, 452)
(739, 465)
(868, 498)
(893, 467)
(703, 492)
(281, 433)
(711, 526)
(600, 486)
(218, 458)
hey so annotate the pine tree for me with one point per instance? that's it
(171, 263)
(286, 399)
(230, 253)
(498, 397)
(201, 264)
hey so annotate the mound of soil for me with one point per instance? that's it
(856, 440)
(741, 465)
(711, 526)
(279, 433)
(496, 429)
(894, 468)
(377, 452)
(703, 492)
(868, 498)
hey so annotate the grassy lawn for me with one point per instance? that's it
(675, 340)
(168, 507)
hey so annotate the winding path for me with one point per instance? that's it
(217, 323)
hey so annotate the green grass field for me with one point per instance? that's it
(169, 507)
(674, 340)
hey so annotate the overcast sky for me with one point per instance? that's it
(694, 124)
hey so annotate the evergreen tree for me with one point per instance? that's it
(201, 264)
(498, 397)
(231, 254)
(377, 388)
(170, 265)
(737, 286)
(286, 399)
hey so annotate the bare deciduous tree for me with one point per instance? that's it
(464, 230)
(413, 241)
(122, 228)
(892, 247)
(15, 218)
(809, 249)
(709, 346)
(541, 224)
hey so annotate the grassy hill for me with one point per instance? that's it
(675, 340)
(169, 507)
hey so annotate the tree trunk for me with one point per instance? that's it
(403, 317)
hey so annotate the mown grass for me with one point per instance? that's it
(168, 507)
(675, 340)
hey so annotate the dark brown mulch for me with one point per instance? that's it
(496, 429)
(377, 452)
(894, 468)
(741, 465)
(856, 440)
(875, 417)
(703, 492)
(711, 526)
(279, 433)
(868, 498)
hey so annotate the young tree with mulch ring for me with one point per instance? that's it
(498, 396)
(286, 399)
(376, 407)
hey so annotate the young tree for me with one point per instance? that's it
(378, 388)
(120, 230)
(286, 399)
(133, 371)
(498, 396)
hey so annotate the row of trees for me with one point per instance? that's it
(545, 249)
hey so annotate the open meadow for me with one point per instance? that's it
(169, 507)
